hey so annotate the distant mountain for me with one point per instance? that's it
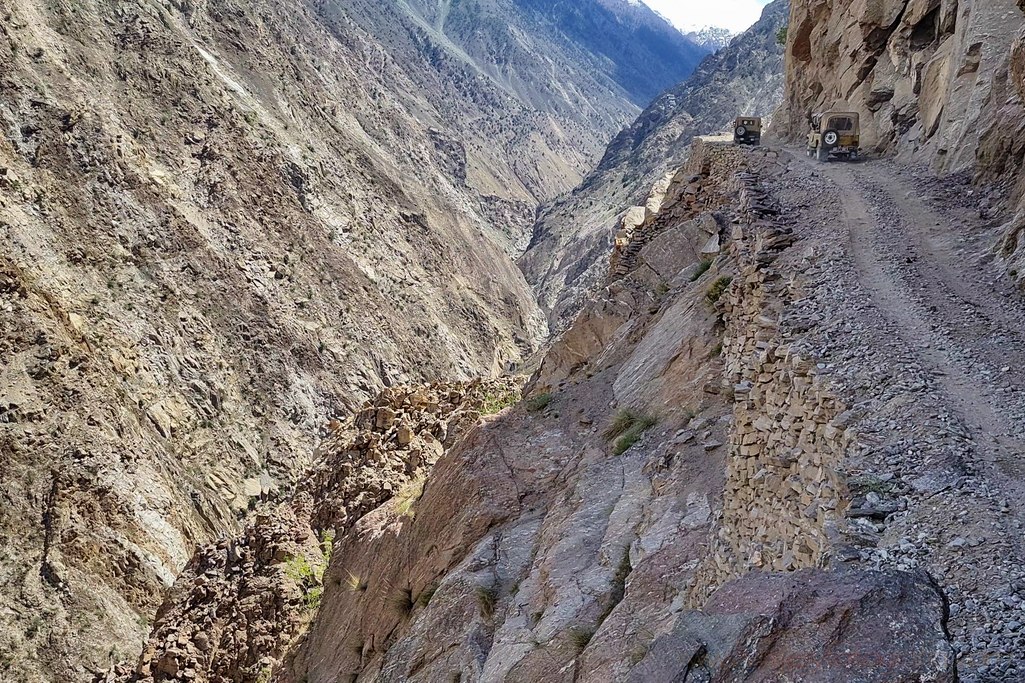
(572, 239)
(712, 38)
(648, 53)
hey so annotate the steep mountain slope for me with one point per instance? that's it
(781, 443)
(646, 516)
(224, 222)
(567, 255)
(565, 77)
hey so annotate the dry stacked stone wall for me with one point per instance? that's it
(696, 189)
(784, 494)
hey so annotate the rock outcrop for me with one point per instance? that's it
(242, 601)
(927, 77)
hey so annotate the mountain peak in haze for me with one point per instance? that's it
(712, 38)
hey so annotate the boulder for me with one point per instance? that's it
(810, 625)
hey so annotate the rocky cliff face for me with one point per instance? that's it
(223, 223)
(573, 237)
(927, 77)
(630, 521)
(473, 68)
(936, 83)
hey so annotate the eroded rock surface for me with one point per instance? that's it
(927, 77)
(242, 601)
(589, 545)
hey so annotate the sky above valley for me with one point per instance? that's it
(736, 15)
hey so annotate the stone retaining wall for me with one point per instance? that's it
(694, 190)
(784, 494)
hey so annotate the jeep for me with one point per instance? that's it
(747, 130)
(834, 135)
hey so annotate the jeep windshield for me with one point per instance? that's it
(841, 124)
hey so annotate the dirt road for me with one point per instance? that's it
(929, 342)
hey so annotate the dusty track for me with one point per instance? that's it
(944, 307)
(928, 342)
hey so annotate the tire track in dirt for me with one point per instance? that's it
(939, 310)
(917, 328)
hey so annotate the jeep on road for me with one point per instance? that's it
(747, 130)
(834, 135)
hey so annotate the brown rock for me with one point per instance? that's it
(811, 625)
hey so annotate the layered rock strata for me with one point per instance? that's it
(242, 601)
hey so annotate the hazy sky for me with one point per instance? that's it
(735, 15)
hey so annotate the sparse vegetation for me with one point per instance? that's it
(354, 583)
(626, 428)
(408, 496)
(781, 36)
(426, 594)
(580, 637)
(486, 599)
(310, 575)
(500, 400)
(703, 268)
(536, 404)
(718, 288)
(618, 591)
(637, 653)
(402, 602)
(661, 289)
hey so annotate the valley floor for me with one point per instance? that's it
(928, 340)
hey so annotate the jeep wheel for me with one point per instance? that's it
(740, 132)
(830, 138)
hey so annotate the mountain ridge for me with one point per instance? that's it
(573, 235)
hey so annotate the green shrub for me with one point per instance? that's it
(628, 425)
(620, 423)
(499, 401)
(309, 576)
(718, 288)
(630, 437)
(702, 269)
(408, 496)
(781, 36)
(536, 404)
